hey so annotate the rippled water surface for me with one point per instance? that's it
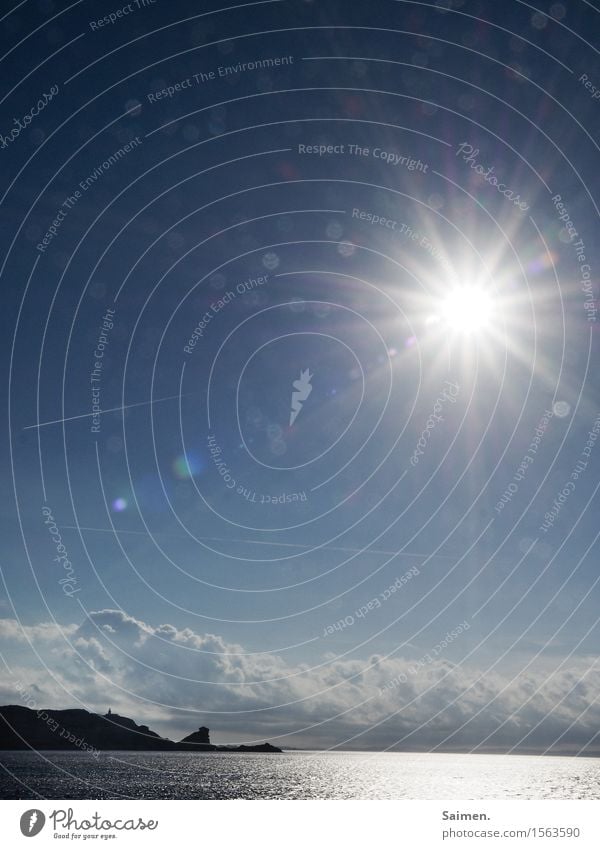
(295, 775)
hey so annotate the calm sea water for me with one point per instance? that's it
(295, 775)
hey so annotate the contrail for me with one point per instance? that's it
(366, 550)
(112, 410)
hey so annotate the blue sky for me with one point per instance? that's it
(185, 554)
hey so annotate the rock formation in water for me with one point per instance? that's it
(201, 737)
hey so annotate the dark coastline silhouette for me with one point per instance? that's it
(24, 728)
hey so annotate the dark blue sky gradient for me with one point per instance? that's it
(215, 207)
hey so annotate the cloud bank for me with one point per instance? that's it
(175, 679)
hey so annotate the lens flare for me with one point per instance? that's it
(467, 310)
(187, 466)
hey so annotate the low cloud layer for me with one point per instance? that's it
(174, 679)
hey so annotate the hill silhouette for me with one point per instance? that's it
(77, 729)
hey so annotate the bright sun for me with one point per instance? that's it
(467, 310)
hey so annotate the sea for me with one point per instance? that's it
(295, 775)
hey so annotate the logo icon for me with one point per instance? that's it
(303, 389)
(32, 822)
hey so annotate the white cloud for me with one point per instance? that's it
(10, 629)
(164, 675)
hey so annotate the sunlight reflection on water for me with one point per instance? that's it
(296, 775)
